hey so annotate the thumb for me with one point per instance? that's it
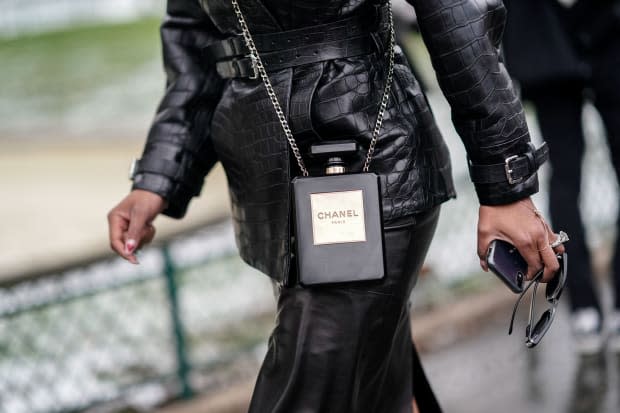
(137, 223)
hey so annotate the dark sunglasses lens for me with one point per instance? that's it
(554, 288)
(556, 285)
(541, 327)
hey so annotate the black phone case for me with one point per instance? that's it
(505, 261)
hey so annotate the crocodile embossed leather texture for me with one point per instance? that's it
(203, 119)
(463, 38)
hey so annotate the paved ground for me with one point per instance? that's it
(475, 367)
(491, 371)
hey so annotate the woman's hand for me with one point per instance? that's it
(523, 226)
(129, 222)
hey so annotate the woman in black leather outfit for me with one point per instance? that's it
(335, 348)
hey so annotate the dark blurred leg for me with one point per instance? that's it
(606, 84)
(611, 119)
(559, 115)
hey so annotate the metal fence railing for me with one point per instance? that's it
(113, 333)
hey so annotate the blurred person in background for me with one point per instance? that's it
(564, 53)
(337, 348)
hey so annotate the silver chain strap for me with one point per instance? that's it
(260, 68)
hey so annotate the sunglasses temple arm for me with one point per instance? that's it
(514, 309)
(531, 315)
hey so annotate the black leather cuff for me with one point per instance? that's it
(167, 168)
(504, 193)
(514, 170)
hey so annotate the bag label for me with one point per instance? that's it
(338, 217)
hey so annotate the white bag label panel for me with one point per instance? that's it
(338, 217)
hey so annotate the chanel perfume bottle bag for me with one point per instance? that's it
(338, 223)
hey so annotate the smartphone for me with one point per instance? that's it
(505, 261)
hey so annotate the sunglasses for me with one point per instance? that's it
(553, 292)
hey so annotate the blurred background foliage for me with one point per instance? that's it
(83, 81)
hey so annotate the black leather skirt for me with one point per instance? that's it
(347, 348)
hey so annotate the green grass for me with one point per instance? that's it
(48, 74)
(80, 57)
(110, 36)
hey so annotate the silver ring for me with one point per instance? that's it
(561, 239)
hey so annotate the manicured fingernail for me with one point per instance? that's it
(130, 245)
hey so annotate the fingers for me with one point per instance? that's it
(130, 223)
(139, 232)
(550, 263)
(117, 225)
(530, 253)
(483, 248)
(551, 256)
(132, 245)
(137, 225)
(149, 234)
(560, 249)
(523, 226)
(543, 257)
(548, 255)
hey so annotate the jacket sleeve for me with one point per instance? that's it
(463, 38)
(178, 152)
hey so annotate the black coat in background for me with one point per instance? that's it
(561, 41)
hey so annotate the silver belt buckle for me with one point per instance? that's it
(509, 170)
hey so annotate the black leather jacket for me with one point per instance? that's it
(204, 119)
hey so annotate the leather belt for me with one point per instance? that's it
(349, 37)
(513, 170)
